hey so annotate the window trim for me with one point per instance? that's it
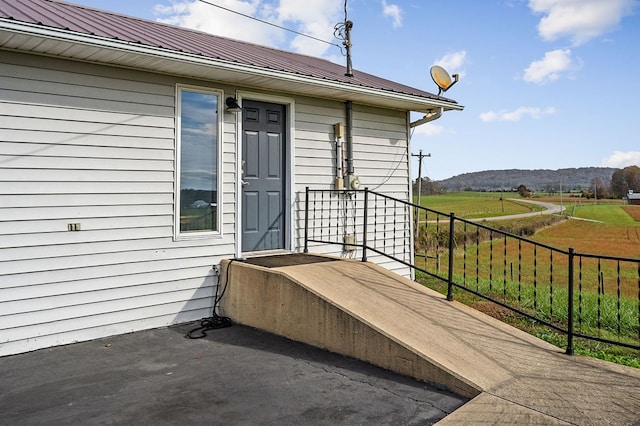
(180, 88)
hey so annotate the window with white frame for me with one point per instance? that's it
(198, 161)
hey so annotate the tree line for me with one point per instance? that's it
(621, 182)
(545, 180)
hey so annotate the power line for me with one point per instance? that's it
(272, 24)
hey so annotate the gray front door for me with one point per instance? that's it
(263, 179)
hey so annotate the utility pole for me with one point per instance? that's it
(561, 206)
(420, 156)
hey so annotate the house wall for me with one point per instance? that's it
(87, 144)
(380, 161)
(84, 144)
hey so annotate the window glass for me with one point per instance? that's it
(198, 177)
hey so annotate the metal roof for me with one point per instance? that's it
(78, 32)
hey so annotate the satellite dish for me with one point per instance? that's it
(441, 77)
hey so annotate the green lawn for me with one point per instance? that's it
(470, 205)
(609, 214)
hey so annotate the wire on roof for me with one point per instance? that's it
(342, 31)
(274, 25)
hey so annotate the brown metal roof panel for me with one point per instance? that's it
(96, 22)
(51, 14)
(106, 24)
(85, 20)
(76, 18)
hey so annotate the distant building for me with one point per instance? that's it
(632, 198)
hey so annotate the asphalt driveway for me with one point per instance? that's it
(234, 376)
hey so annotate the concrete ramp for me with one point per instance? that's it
(359, 310)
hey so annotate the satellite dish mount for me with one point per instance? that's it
(442, 79)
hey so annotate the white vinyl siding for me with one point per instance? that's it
(95, 146)
(380, 151)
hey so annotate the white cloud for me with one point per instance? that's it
(580, 20)
(394, 12)
(453, 62)
(621, 159)
(312, 17)
(428, 130)
(204, 17)
(316, 18)
(517, 114)
(550, 67)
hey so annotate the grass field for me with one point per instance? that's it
(471, 205)
(612, 353)
(633, 212)
(611, 214)
(608, 229)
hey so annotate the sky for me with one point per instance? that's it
(546, 84)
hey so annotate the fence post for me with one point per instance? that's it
(569, 350)
(364, 225)
(452, 219)
(306, 220)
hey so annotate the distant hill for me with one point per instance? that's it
(537, 180)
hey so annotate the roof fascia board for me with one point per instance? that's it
(129, 47)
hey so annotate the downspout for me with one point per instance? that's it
(431, 115)
(349, 134)
(349, 236)
(351, 180)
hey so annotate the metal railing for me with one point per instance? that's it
(589, 296)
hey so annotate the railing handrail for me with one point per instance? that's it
(570, 254)
(470, 222)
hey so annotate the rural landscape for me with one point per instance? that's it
(508, 249)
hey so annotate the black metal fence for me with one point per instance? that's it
(583, 295)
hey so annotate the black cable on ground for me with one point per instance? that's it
(215, 321)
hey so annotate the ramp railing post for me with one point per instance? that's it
(306, 220)
(452, 219)
(364, 225)
(569, 350)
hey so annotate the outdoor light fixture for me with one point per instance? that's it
(232, 105)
